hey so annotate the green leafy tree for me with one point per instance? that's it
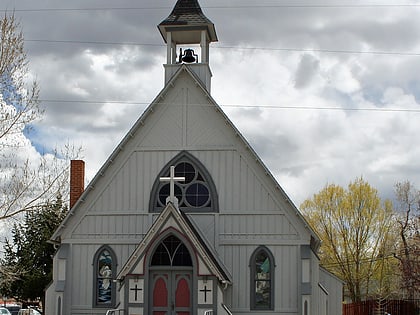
(28, 256)
(356, 230)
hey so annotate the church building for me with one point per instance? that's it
(184, 218)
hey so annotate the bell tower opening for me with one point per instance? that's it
(189, 56)
(184, 29)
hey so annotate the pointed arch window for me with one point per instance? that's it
(196, 194)
(104, 263)
(262, 279)
(171, 252)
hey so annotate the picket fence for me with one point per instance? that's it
(383, 307)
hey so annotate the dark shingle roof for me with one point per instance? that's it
(186, 12)
(185, 22)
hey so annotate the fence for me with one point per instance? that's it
(383, 307)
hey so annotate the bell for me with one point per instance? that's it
(189, 56)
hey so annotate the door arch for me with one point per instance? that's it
(171, 278)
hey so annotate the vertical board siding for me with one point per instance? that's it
(239, 190)
(82, 265)
(264, 227)
(134, 186)
(115, 226)
(238, 186)
(82, 260)
(248, 216)
(129, 190)
(204, 126)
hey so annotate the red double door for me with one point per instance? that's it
(171, 292)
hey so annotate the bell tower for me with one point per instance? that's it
(188, 33)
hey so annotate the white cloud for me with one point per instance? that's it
(304, 148)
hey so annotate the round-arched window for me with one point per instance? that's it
(262, 279)
(196, 194)
(192, 193)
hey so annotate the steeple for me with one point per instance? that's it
(187, 25)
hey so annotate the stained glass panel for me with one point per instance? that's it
(104, 278)
(262, 280)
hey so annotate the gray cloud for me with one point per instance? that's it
(304, 148)
(306, 71)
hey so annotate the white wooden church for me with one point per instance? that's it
(184, 218)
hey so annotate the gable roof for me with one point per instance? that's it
(183, 68)
(182, 222)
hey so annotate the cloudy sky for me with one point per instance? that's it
(325, 91)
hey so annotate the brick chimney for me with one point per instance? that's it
(77, 180)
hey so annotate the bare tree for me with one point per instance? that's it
(19, 105)
(25, 183)
(26, 187)
(408, 253)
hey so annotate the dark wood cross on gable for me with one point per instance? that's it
(172, 179)
(136, 289)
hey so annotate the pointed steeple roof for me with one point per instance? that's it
(186, 14)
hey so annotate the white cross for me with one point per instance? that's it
(172, 179)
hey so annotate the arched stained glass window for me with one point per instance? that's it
(104, 272)
(171, 252)
(196, 194)
(262, 279)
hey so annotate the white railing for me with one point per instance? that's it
(226, 309)
(115, 312)
(209, 312)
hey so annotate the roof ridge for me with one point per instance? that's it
(186, 7)
(186, 12)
